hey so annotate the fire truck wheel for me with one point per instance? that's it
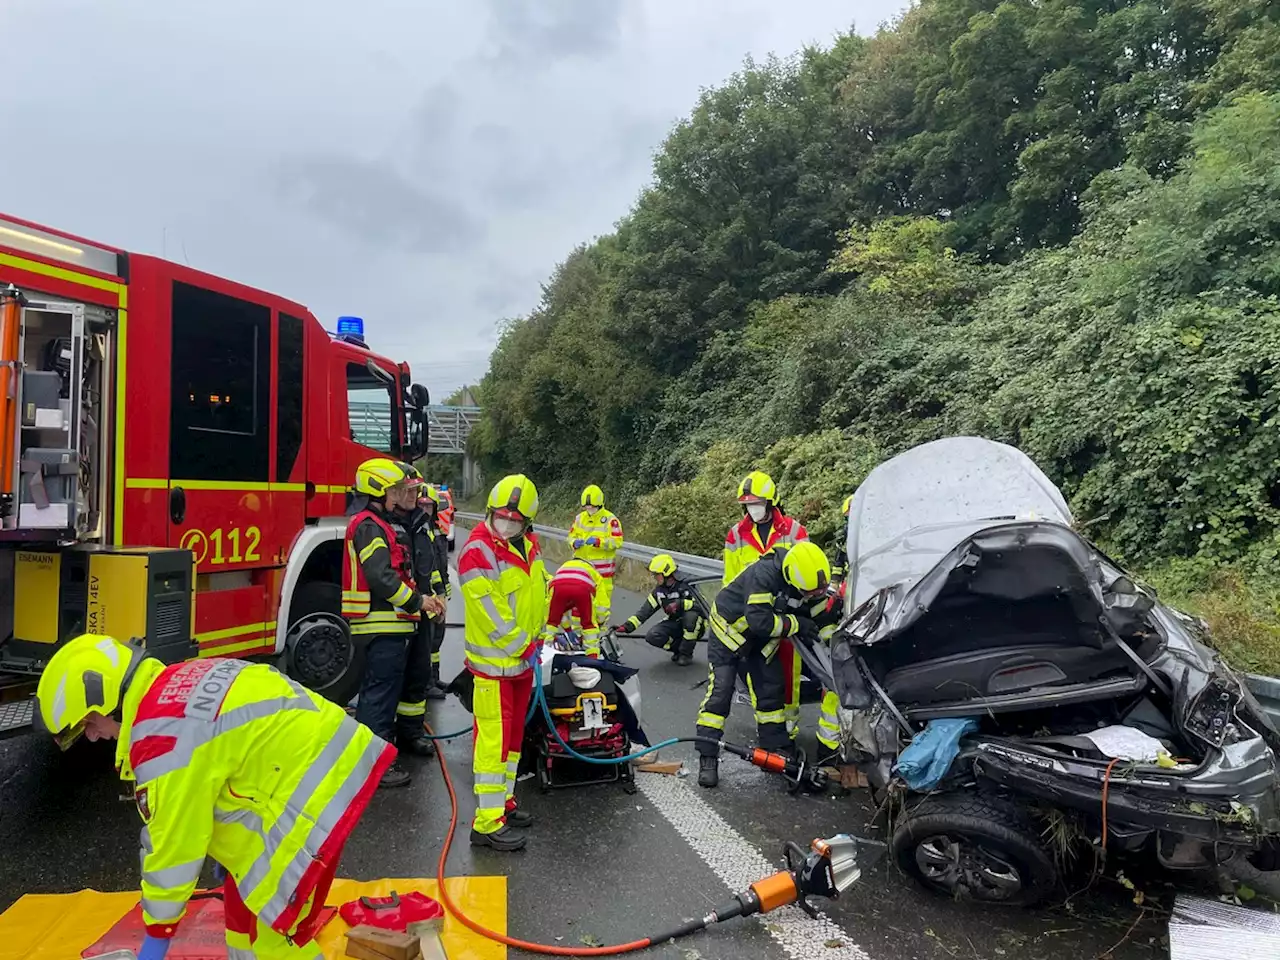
(320, 652)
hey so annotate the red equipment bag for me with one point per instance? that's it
(395, 912)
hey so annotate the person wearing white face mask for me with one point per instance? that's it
(762, 529)
(504, 589)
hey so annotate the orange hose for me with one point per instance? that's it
(553, 950)
(1106, 790)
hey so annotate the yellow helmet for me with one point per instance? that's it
(848, 502)
(663, 564)
(806, 567)
(86, 675)
(514, 494)
(757, 485)
(592, 496)
(375, 477)
(429, 492)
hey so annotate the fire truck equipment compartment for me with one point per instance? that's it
(124, 592)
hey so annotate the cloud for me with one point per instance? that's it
(536, 32)
(372, 201)
(425, 165)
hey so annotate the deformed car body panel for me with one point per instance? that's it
(958, 551)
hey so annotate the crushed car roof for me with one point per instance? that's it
(911, 510)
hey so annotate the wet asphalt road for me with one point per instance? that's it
(600, 863)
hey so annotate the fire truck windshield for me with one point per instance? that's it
(374, 413)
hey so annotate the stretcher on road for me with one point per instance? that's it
(595, 706)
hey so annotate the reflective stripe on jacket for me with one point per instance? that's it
(430, 562)
(505, 593)
(605, 526)
(578, 572)
(743, 546)
(379, 593)
(239, 763)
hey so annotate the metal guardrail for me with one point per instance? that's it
(692, 566)
(448, 428)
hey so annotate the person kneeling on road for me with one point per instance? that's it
(684, 625)
(504, 588)
(749, 620)
(232, 761)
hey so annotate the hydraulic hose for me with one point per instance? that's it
(547, 949)
(539, 698)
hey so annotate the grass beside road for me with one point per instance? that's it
(1241, 605)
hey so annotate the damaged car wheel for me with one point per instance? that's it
(964, 846)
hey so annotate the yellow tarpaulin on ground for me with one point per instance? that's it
(59, 926)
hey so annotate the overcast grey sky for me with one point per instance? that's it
(420, 163)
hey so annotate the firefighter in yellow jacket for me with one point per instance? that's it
(596, 536)
(381, 600)
(504, 589)
(232, 761)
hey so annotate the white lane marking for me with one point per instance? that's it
(739, 864)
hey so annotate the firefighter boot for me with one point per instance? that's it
(708, 771)
(396, 776)
(419, 746)
(435, 689)
(684, 653)
(504, 839)
(519, 819)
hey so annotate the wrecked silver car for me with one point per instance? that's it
(1038, 690)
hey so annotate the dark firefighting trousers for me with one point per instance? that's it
(680, 635)
(437, 641)
(767, 683)
(383, 681)
(412, 708)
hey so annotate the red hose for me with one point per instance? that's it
(554, 950)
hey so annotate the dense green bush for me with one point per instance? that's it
(1052, 223)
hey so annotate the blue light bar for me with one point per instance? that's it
(353, 326)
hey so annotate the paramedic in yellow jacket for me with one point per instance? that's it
(232, 761)
(763, 528)
(504, 589)
(596, 536)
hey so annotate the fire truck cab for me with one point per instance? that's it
(176, 452)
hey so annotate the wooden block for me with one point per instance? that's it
(669, 767)
(851, 777)
(373, 943)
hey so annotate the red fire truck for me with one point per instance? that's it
(176, 451)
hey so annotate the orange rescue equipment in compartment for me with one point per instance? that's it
(10, 374)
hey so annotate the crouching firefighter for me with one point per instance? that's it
(575, 593)
(381, 601)
(684, 624)
(504, 588)
(232, 761)
(749, 621)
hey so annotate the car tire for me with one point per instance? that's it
(967, 846)
(320, 652)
